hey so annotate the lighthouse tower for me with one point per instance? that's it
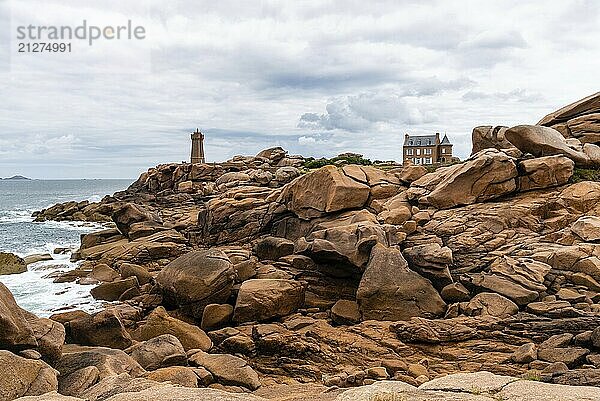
(198, 147)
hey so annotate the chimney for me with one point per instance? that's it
(437, 138)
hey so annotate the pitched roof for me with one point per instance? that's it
(445, 141)
(424, 140)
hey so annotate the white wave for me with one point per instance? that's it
(84, 226)
(95, 198)
(42, 296)
(15, 216)
(48, 248)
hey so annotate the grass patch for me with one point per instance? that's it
(585, 174)
(532, 375)
(312, 163)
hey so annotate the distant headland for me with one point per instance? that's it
(16, 177)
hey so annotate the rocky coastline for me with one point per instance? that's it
(261, 279)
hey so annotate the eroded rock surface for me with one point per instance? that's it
(256, 275)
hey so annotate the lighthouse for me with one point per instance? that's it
(198, 147)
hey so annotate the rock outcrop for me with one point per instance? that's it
(265, 299)
(488, 137)
(486, 175)
(580, 119)
(227, 369)
(327, 190)
(158, 352)
(159, 322)
(15, 330)
(24, 377)
(389, 290)
(253, 275)
(544, 172)
(544, 141)
(11, 264)
(197, 279)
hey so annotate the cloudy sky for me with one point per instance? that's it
(316, 77)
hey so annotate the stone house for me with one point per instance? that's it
(426, 149)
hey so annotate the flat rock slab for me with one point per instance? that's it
(53, 396)
(479, 382)
(479, 386)
(183, 394)
(382, 388)
(526, 390)
(395, 390)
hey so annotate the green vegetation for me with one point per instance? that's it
(475, 390)
(312, 163)
(585, 174)
(532, 375)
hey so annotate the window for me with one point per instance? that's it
(428, 160)
(418, 152)
(443, 150)
(427, 151)
(409, 152)
(417, 160)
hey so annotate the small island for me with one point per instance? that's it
(16, 178)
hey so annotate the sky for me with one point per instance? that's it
(318, 78)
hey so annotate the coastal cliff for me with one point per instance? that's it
(261, 275)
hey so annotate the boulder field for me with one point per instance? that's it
(257, 279)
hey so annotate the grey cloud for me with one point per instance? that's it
(360, 112)
(495, 40)
(253, 76)
(432, 86)
(488, 48)
(517, 95)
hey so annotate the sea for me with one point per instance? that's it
(19, 234)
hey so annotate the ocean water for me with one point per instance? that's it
(19, 234)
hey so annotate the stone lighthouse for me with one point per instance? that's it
(198, 147)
